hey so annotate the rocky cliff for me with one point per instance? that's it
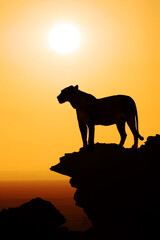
(118, 188)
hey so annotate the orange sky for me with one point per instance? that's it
(119, 54)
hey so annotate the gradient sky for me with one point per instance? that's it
(119, 54)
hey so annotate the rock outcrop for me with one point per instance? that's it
(118, 188)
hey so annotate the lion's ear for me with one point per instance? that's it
(76, 87)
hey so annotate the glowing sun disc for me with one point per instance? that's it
(64, 38)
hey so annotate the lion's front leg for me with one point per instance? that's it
(91, 137)
(83, 130)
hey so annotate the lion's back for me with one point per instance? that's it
(109, 109)
(115, 101)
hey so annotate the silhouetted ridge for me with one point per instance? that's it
(118, 188)
(36, 219)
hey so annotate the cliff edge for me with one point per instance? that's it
(118, 188)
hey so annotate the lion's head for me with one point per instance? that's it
(67, 94)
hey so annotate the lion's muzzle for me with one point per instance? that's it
(60, 99)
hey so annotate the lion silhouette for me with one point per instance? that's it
(91, 111)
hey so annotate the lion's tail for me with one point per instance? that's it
(139, 136)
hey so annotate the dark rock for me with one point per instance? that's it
(118, 188)
(36, 219)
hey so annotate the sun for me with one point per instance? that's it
(64, 38)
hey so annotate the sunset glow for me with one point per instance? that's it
(115, 50)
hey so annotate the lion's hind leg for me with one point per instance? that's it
(121, 129)
(132, 126)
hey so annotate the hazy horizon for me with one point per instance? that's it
(59, 193)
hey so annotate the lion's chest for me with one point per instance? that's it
(83, 116)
